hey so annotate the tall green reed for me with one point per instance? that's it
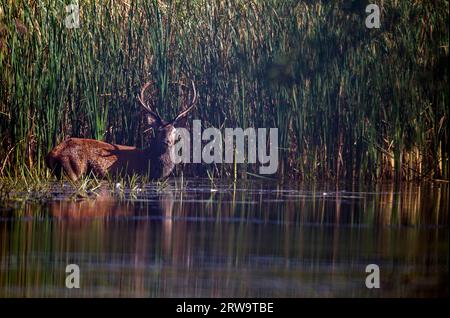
(349, 102)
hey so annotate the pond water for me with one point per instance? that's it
(249, 239)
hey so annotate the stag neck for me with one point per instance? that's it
(161, 164)
(157, 148)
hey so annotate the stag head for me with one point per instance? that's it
(165, 130)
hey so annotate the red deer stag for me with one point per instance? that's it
(76, 156)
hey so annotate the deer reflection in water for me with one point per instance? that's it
(147, 243)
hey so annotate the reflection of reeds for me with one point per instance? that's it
(232, 245)
(348, 101)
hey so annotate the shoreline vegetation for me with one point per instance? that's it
(350, 103)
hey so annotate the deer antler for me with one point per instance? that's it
(191, 105)
(141, 99)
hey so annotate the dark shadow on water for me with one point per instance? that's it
(252, 239)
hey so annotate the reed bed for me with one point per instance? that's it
(349, 102)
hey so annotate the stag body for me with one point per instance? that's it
(75, 157)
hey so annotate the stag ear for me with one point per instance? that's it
(152, 120)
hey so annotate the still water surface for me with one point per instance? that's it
(250, 239)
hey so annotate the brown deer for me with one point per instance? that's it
(75, 157)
